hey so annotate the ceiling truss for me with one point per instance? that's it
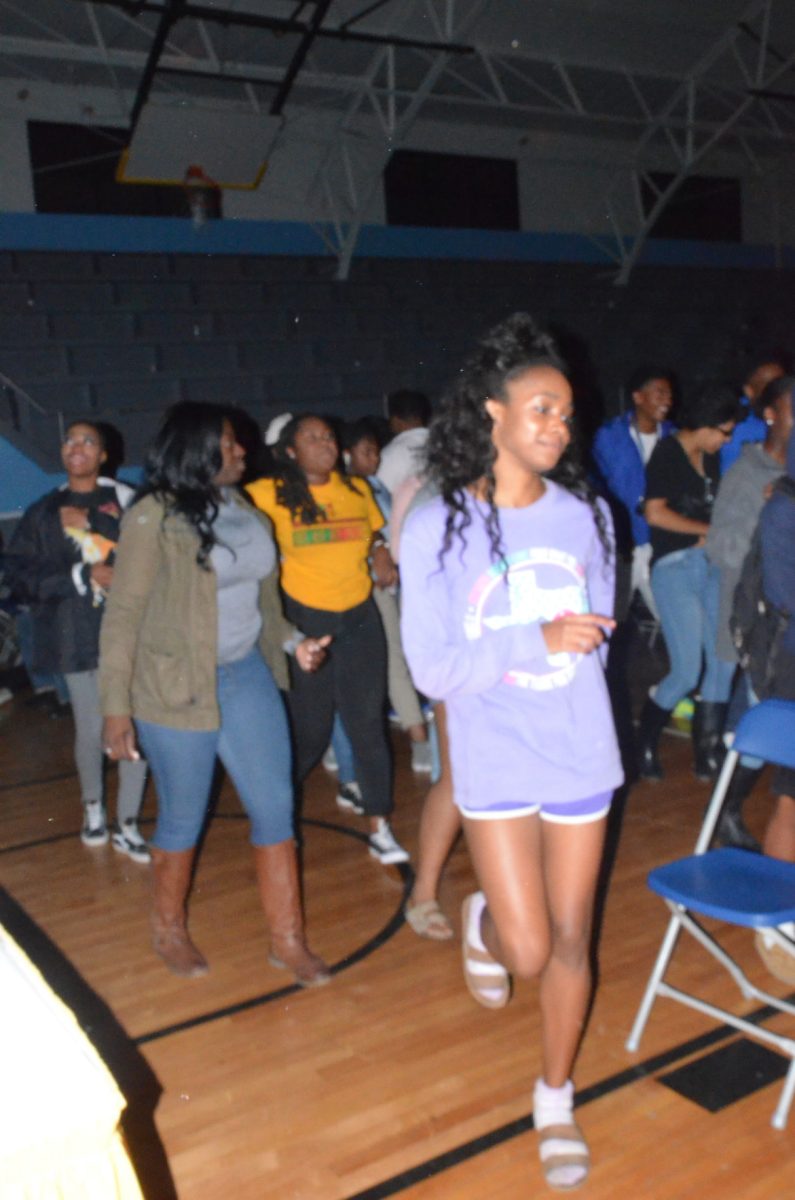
(747, 50)
(736, 91)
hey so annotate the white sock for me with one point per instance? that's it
(473, 935)
(552, 1105)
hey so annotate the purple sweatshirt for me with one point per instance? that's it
(524, 725)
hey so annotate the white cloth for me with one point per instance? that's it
(641, 577)
(402, 458)
(60, 1106)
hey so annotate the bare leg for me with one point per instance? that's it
(571, 858)
(440, 823)
(539, 880)
(779, 839)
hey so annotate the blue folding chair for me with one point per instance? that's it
(734, 886)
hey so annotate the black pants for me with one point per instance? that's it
(352, 681)
(783, 781)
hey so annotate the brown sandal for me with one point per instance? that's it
(563, 1146)
(487, 980)
(428, 920)
(779, 961)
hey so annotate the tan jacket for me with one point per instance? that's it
(157, 646)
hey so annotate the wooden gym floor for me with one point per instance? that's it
(390, 1081)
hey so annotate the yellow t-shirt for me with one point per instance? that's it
(325, 565)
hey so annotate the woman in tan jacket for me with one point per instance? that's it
(192, 655)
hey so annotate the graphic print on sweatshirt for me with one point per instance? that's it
(97, 542)
(543, 584)
(330, 528)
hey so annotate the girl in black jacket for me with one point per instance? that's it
(60, 562)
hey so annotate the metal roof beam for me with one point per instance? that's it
(245, 20)
(692, 151)
(171, 13)
(362, 173)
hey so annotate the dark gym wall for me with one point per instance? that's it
(124, 335)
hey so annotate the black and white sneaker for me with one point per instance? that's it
(385, 847)
(95, 829)
(127, 840)
(349, 797)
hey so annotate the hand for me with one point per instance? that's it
(118, 739)
(102, 576)
(576, 633)
(77, 518)
(384, 569)
(311, 652)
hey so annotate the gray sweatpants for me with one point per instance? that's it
(84, 694)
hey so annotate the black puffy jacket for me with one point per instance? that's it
(50, 571)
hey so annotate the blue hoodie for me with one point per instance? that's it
(620, 472)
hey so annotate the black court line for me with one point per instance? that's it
(26, 783)
(395, 922)
(385, 934)
(505, 1133)
(53, 838)
(440, 1163)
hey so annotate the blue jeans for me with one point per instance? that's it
(343, 751)
(346, 763)
(686, 589)
(253, 743)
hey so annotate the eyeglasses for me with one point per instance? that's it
(80, 440)
(725, 432)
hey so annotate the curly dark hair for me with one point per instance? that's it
(182, 463)
(292, 489)
(460, 450)
(715, 403)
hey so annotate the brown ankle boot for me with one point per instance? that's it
(171, 876)
(277, 878)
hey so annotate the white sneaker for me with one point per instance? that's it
(349, 797)
(421, 758)
(95, 830)
(127, 839)
(384, 846)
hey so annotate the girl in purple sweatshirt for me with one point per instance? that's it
(507, 593)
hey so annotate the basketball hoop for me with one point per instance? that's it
(203, 195)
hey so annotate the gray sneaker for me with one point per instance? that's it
(95, 829)
(385, 847)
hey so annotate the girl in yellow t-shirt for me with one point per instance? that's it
(328, 532)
